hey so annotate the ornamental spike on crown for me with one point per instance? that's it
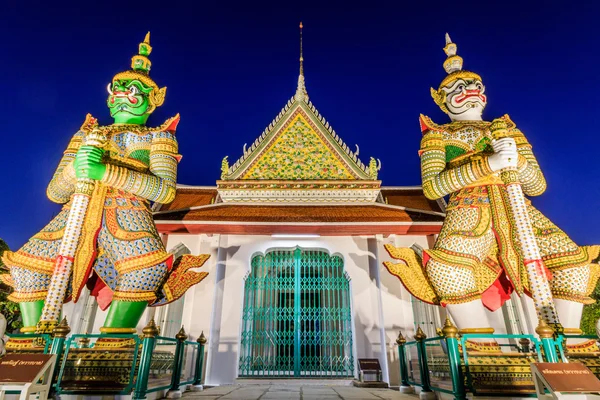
(140, 61)
(453, 63)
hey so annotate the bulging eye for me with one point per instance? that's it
(479, 86)
(461, 87)
(133, 90)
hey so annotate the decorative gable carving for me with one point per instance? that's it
(299, 158)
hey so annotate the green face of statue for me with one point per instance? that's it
(128, 101)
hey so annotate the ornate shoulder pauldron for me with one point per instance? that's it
(460, 139)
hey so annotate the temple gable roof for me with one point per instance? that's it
(299, 158)
(299, 144)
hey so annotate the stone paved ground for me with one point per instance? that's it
(295, 392)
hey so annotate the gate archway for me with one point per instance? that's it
(296, 320)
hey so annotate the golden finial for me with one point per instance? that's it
(449, 330)
(301, 58)
(181, 336)
(151, 330)
(400, 340)
(420, 335)
(62, 330)
(301, 93)
(202, 339)
(543, 330)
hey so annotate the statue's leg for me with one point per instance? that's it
(569, 287)
(125, 314)
(574, 277)
(465, 241)
(129, 239)
(456, 286)
(31, 311)
(134, 290)
(31, 270)
(469, 315)
(569, 312)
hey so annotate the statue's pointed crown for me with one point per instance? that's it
(140, 70)
(453, 64)
(140, 65)
(141, 62)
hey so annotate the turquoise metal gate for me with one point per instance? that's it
(296, 318)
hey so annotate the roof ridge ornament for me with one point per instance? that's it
(301, 93)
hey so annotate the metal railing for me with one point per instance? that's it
(441, 364)
(150, 363)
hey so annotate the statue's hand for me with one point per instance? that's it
(505, 154)
(88, 163)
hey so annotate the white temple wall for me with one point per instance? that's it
(396, 302)
(380, 305)
(193, 310)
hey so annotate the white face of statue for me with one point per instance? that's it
(465, 99)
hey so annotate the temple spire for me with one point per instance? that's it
(301, 93)
(301, 58)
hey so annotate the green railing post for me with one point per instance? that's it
(149, 340)
(404, 385)
(59, 334)
(458, 383)
(546, 335)
(197, 384)
(174, 392)
(426, 392)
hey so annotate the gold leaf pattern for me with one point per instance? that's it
(298, 153)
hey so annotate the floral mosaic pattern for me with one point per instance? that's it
(298, 153)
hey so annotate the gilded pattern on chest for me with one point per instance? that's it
(132, 149)
(465, 139)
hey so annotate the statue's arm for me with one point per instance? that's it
(530, 175)
(439, 181)
(62, 185)
(158, 185)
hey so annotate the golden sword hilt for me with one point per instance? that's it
(499, 130)
(95, 138)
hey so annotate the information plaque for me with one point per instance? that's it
(22, 368)
(564, 380)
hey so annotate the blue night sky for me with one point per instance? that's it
(230, 67)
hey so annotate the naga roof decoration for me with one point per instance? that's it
(297, 153)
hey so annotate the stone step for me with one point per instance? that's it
(294, 382)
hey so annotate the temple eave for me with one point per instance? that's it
(299, 191)
(295, 183)
(325, 229)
